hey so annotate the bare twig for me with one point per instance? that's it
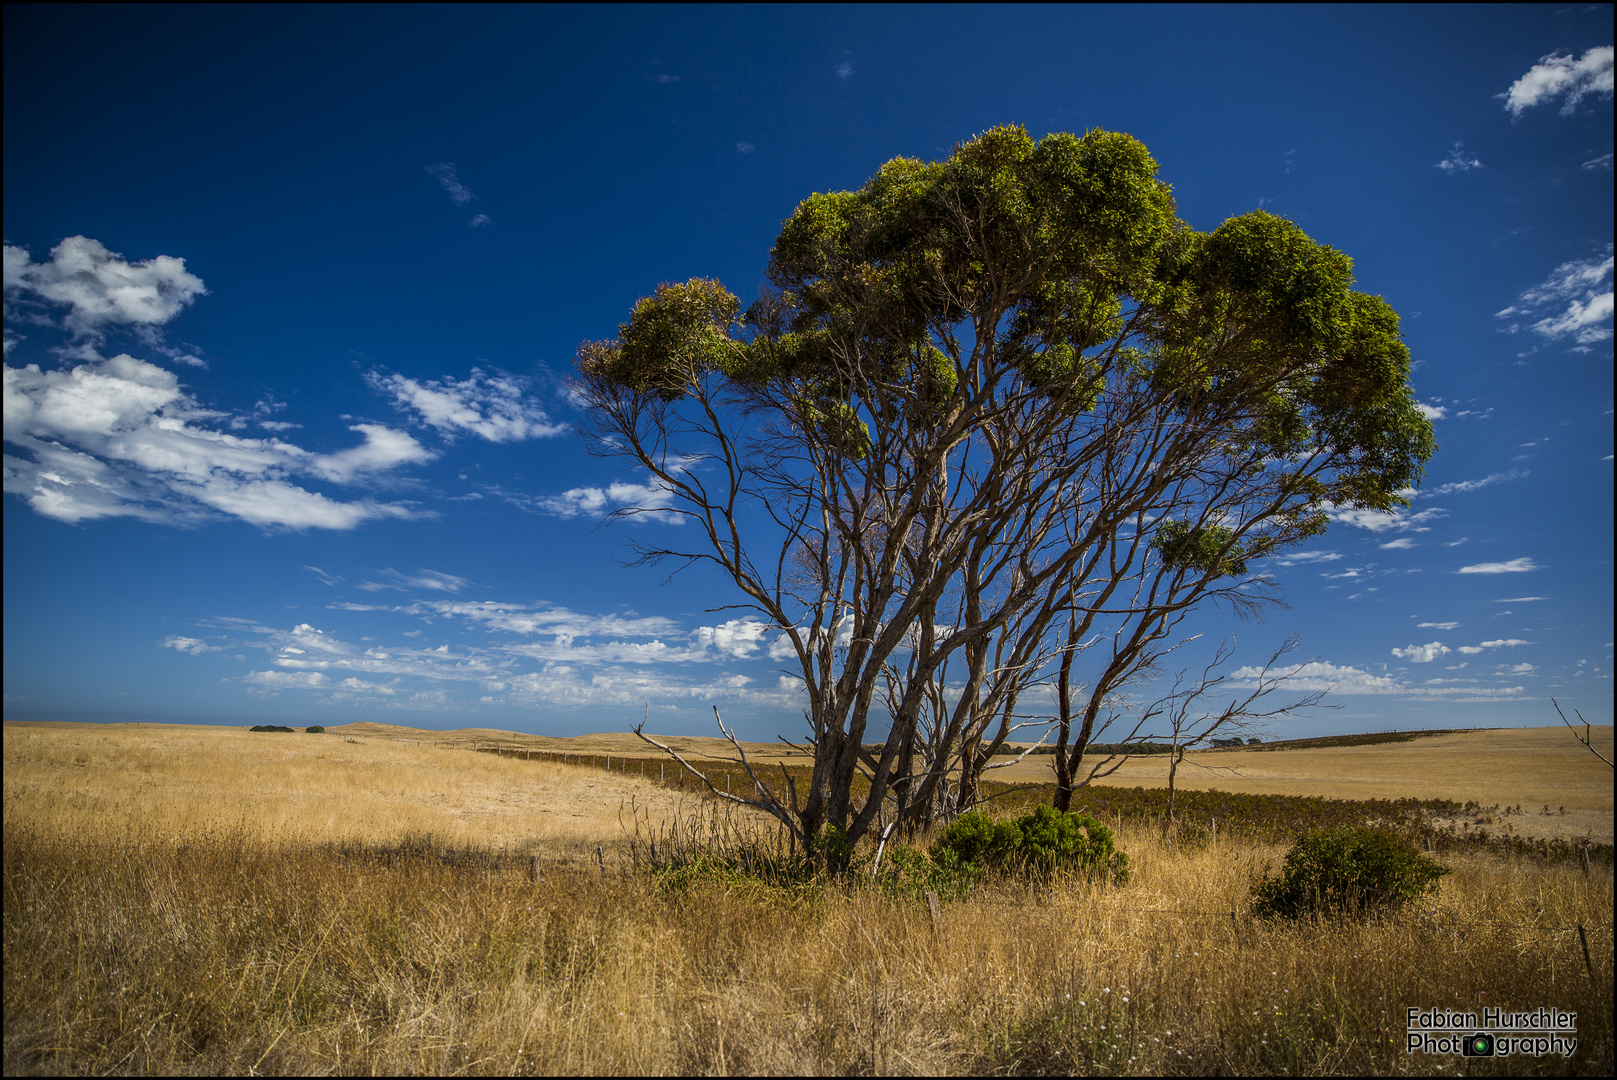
(1585, 737)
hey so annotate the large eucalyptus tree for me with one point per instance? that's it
(997, 415)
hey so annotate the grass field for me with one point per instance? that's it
(208, 900)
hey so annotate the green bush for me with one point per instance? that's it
(1043, 841)
(1346, 870)
(270, 727)
(316, 730)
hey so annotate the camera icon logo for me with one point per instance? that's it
(1479, 1045)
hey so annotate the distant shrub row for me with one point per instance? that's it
(315, 730)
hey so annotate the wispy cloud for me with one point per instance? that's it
(1554, 76)
(1574, 301)
(1438, 625)
(458, 192)
(1379, 521)
(1345, 679)
(1432, 412)
(745, 148)
(492, 407)
(194, 646)
(1459, 161)
(845, 69)
(560, 657)
(1403, 543)
(1514, 566)
(479, 221)
(1601, 162)
(429, 580)
(1460, 487)
(1306, 558)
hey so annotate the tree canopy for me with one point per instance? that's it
(993, 416)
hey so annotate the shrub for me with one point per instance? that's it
(316, 730)
(1043, 841)
(271, 727)
(1346, 870)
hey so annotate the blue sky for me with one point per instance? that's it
(292, 295)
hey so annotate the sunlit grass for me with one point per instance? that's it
(150, 927)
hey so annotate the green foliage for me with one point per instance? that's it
(1043, 841)
(1204, 550)
(1346, 871)
(671, 340)
(831, 844)
(315, 730)
(914, 872)
(270, 727)
(1071, 249)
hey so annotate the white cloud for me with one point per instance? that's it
(1514, 566)
(445, 172)
(567, 673)
(745, 148)
(1432, 412)
(194, 646)
(1345, 679)
(1556, 76)
(1378, 521)
(1303, 558)
(1505, 643)
(479, 220)
(100, 288)
(1520, 669)
(1459, 161)
(844, 69)
(1423, 654)
(1403, 543)
(120, 438)
(431, 580)
(617, 496)
(280, 680)
(1460, 487)
(1574, 301)
(489, 406)
(738, 637)
(1601, 162)
(1520, 599)
(1438, 625)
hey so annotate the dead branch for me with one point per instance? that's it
(1585, 737)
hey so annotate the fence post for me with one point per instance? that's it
(1588, 965)
(600, 858)
(660, 780)
(533, 868)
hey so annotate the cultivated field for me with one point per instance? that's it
(208, 900)
(1527, 767)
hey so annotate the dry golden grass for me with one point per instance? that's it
(1530, 767)
(84, 779)
(188, 908)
